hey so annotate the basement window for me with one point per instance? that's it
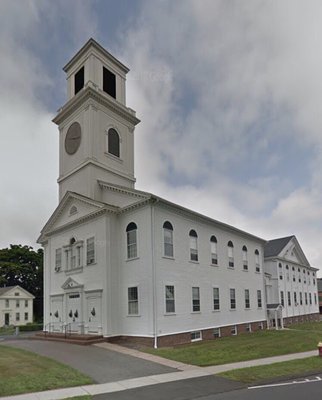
(195, 336)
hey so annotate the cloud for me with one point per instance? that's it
(234, 129)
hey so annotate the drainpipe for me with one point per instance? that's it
(154, 289)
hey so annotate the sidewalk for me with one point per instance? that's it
(185, 372)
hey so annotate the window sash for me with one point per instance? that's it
(232, 299)
(168, 242)
(133, 301)
(90, 251)
(259, 298)
(193, 248)
(216, 299)
(247, 300)
(195, 299)
(58, 259)
(131, 244)
(169, 299)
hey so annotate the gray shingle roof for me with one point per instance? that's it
(274, 247)
(5, 289)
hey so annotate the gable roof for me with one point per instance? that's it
(4, 290)
(275, 246)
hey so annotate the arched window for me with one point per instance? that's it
(193, 245)
(113, 142)
(213, 249)
(230, 254)
(257, 261)
(131, 239)
(245, 260)
(168, 239)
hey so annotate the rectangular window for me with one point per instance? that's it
(301, 299)
(247, 301)
(195, 299)
(109, 82)
(232, 299)
(259, 298)
(310, 297)
(305, 294)
(26, 303)
(230, 257)
(133, 301)
(213, 249)
(217, 332)
(233, 330)
(315, 302)
(7, 303)
(257, 262)
(67, 259)
(131, 244)
(289, 298)
(248, 327)
(17, 303)
(193, 248)
(168, 243)
(17, 316)
(195, 336)
(79, 80)
(90, 251)
(295, 299)
(216, 298)
(169, 299)
(58, 259)
(261, 326)
(26, 316)
(282, 299)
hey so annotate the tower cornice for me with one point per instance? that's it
(91, 91)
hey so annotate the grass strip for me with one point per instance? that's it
(264, 373)
(22, 371)
(248, 346)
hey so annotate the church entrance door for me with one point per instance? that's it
(94, 314)
(74, 313)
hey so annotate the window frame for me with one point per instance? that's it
(113, 143)
(247, 299)
(90, 242)
(196, 308)
(131, 245)
(213, 250)
(233, 302)
(259, 299)
(168, 242)
(216, 299)
(193, 246)
(133, 301)
(169, 300)
(230, 250)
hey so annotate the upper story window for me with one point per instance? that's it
(213, 249)
(131, 238)
(109, 82)
(245, 261)
(193, 245)
(257, 262)
(58, 260)
(168, 239)
(90, 251)
(230, 247)
(113, 142)
(79, 80)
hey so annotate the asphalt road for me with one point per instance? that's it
(215, 388)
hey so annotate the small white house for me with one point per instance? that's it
(16, 306)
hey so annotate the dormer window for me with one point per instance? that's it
(109, 82)
(79, 80)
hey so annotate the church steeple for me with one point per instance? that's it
(96, 128)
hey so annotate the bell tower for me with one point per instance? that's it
(96, 128)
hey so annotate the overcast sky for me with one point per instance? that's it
(229, 94)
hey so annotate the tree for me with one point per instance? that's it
(23, 266)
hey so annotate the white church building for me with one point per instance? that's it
(124, 263)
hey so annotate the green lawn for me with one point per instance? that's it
(244, 347)
(287, 369)
(23, 372)
(308, 326)
(7, 330)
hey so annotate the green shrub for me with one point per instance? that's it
(31, 327)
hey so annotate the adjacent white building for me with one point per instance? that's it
(125, 263)
(290, 283)
(16, 306)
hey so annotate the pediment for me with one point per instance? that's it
(71, 284)
(120, 196)
(292, 252)
(73, 207)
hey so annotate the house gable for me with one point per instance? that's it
(11, 293)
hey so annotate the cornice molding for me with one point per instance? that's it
(123, 190)
(91, 91)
